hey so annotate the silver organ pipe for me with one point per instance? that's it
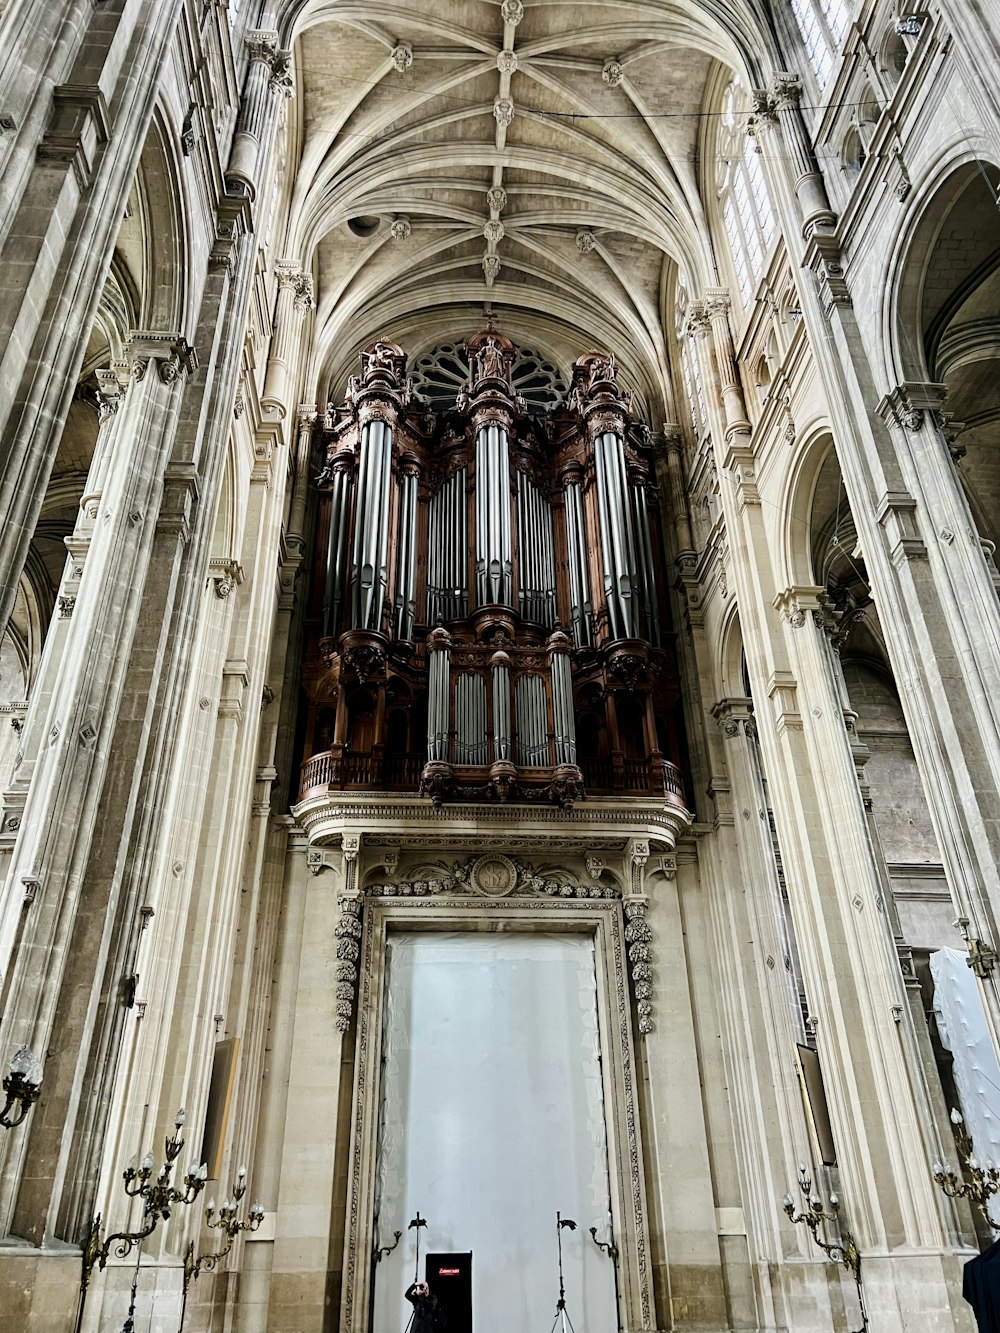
(501, 707)
(562, 708)
(470, 719)
(371, 526)
(644, 545)
(536, 552)
(493, 535)
(617, 538)
(438, 703)
(339, 495)
(406, 605)
(447, 555)
(579, 566)
(532, 722)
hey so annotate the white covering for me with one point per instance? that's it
(962, 1025)
(492, 1118)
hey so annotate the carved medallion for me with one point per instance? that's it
(493, 876)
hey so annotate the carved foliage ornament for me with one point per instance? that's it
(491, 876)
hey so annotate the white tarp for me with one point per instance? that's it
(962, 1026)
(492, 1118)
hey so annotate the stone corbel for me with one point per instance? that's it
(823, 257)
(799, 605)
(636, 856)
(319, 859)
(226, 574)
(910, 405)
(181, 489)
(897, 514)
(79, 125)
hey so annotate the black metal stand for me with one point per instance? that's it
(562, 1320)
(415, 1224)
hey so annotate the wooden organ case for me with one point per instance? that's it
(487, 619)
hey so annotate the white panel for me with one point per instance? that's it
(962, 1026)
(492, 1118)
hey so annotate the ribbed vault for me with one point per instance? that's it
(540, 160)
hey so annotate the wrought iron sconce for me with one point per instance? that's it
(608, 1246)
(382, 1250)
(159, 1195)
(982, 1180)
(228, 1223)
(21, 1086)
(845, 1251)
(981, 957)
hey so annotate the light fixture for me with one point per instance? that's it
(982, 1179)
(159, 1196)
(21, 1086)
(844, 1251)
(228, 1223)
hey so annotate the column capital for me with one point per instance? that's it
(171, 353)
(799, 603)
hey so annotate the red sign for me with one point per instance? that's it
(448, 1272)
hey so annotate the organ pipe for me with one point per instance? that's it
(617, 537)
(579, 570)
(406, 579)
(339, 495)
(532, 722)
(438, 698)
(371, 526)
(564, 723)
(501, 706)
(644, 543)
(493, 536)
(536, 552)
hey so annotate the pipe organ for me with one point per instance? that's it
(487, 608)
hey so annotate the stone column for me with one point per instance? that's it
(74, 174)
(267, 78)
(295, 297)
(850, 971)
(930, 578)
(68, 782)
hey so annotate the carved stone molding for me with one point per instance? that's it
(492, 875)
(638, 935)
(348, 933)
(170, 353)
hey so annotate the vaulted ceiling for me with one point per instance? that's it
(539, 160)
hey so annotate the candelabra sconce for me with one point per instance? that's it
(845, 1251)
(230, 1225)
(159, 1195)
(982, 959)
(21, 1087)
(982, 1179)
(608, 1246)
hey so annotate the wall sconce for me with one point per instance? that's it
(229, 1225)
(983, 1180)
(794, 314)
(22, 1085)
(844, 1252)
(159, 1196)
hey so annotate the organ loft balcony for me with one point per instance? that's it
(487, 618)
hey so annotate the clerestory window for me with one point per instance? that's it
(823, 24)
(743, 199)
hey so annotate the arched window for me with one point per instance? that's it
(693, 389)
(746, 209)
(822, 24)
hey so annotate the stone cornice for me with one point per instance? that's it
(327, 818)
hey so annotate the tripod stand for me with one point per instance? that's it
(415, 1223)
(562, 1320)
